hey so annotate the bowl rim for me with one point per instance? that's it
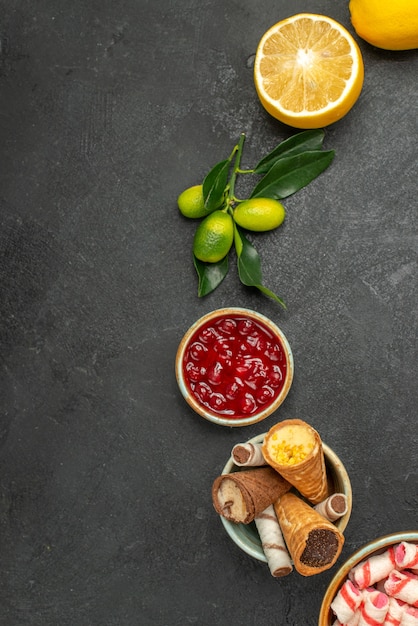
(206, 413)
(255, 550)
(359, 555)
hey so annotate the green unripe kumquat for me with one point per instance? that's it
(259, 214)
(191, 202)
(214, 236)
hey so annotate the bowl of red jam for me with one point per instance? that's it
(234, 367)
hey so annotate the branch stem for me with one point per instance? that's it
(236, 170)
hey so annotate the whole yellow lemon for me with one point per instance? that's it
(387, 24)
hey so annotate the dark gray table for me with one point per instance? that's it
(108, 110)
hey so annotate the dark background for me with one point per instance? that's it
(108, 110)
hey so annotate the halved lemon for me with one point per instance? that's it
(308, 71)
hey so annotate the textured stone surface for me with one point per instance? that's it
(107, 111)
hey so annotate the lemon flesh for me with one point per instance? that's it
(308, 71)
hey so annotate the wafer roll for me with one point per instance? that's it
(248, 454)
(333, 507)
(295, 450)
(410, 617)
(374, 609)
(395, 611)
(403, 587)
(406, 555)
(272, 542)
(375, 568)
(346, 602)
(314, 542)
(240, 496)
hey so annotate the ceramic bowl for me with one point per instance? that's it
(246, 536)
(218, 358)
(326, 617)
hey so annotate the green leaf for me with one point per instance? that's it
(290, 174)
(210, 275)
(249, 266)
(301, 142)
(214, 185)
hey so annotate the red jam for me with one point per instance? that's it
(234, 366)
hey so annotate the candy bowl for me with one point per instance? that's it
(234, 367)
(246, 536)
(367, 584)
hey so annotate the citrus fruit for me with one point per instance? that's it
(259, 214)
(385, 23)
(191, 202)
(308, 71)
(214, 236)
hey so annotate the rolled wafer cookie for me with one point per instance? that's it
(248, 454)
(410, 616)
(403, 587)
(272, 542)
(374, 609)
(314, 543)
(406, 555)
(395, 611)
(375, 568)
(240, 496)
(346, 602)
(295, 450)
(333, 507)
